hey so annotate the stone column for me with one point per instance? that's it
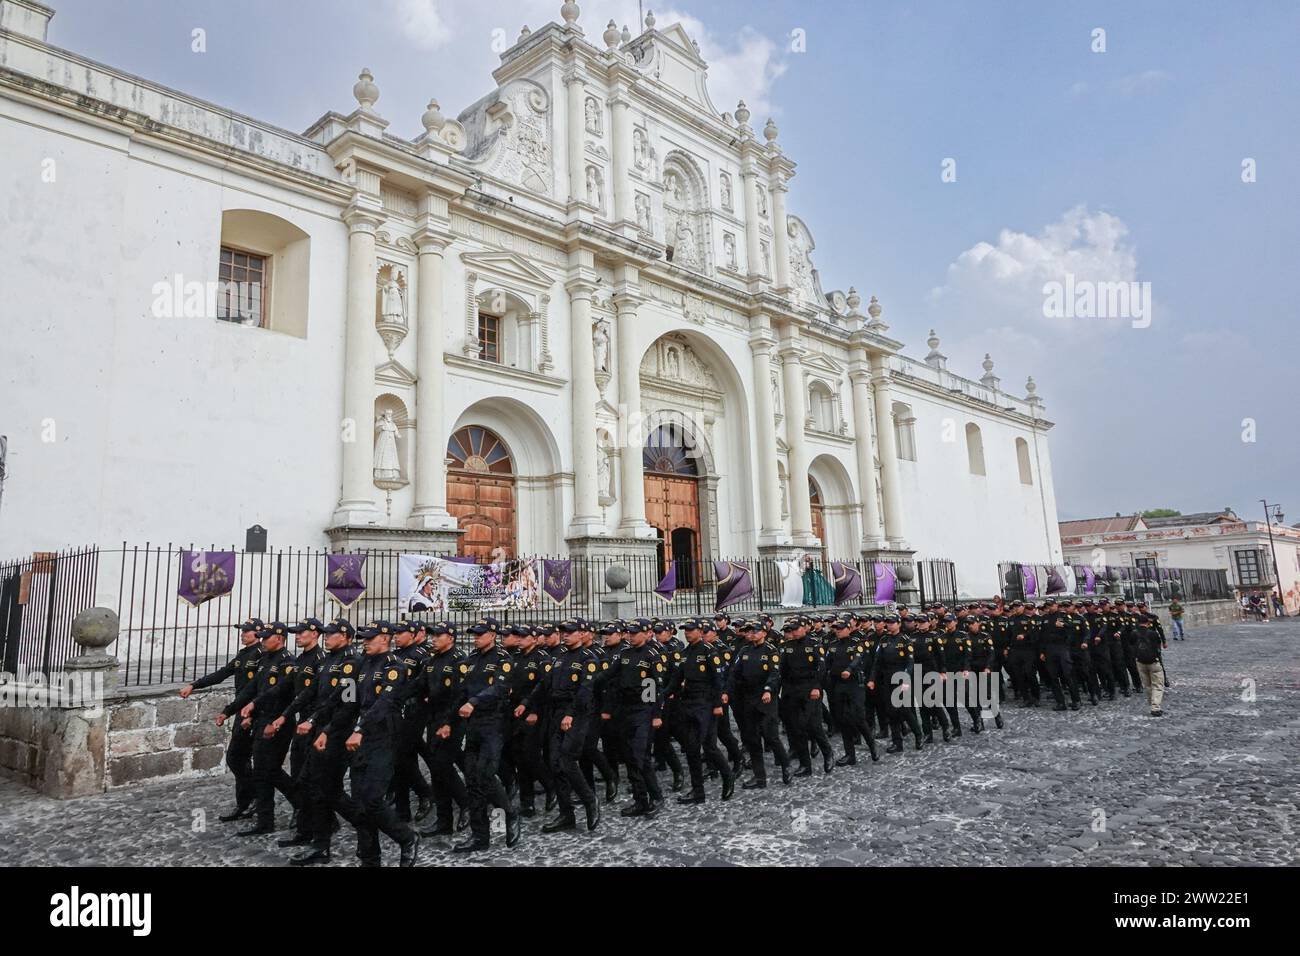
(586, 519)
(631, 473)
(795, 413)
(860, 379)
(780, 237)
(888, 451)
(622, 185)
(749, 182)
(576, 91)
(430, 510)
(357, 504)
(769, 485)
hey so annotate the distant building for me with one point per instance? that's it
(1207, 539)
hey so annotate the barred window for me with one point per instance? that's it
(1248, 568)
(489, 337)
(243, 285)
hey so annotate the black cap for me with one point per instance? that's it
(306, 624)
(609, 629)
(544, 630)
(252, 624)
(663, 627)
(483, 625)
(570, 627)
(340, 625)
(438, 628)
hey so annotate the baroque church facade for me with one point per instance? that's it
(580, 317)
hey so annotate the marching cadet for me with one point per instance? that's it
(522, 765)
(1054, 651)
(1129, 633)
(239, 752)
(894, 656)
(697, 685)
(1100, 654)
(483, 695)
(326, 728)
(1022, 654)
(611, 635)
(444, 672)
(410, 648)
(753, 684)
(924, 654)
(802, 675)
(845, 661)
(306, 683)
(980, 660)
(719, 636)
(1080, 651)
(569, 704)
(632, 695)
(671, 647)
(258, 704)
(950, 647)
(373, 744)
(593, 758)
(1114, 639)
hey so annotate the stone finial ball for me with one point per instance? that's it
(617, 577)
(95, 628)
(904, 573)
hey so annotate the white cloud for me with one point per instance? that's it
(742, 66)
(422, 23)
(1148, 81)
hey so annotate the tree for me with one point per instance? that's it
(1162, 513)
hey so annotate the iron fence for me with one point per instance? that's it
(1020, 581)
(39, 597)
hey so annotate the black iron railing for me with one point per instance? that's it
(1031, 581)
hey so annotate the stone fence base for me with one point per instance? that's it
(135, 737)
(1201, 613)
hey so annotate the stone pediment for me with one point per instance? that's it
(671, 57)
(508, 267)
(822, 363)
(394, 372)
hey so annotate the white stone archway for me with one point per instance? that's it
(840, 507)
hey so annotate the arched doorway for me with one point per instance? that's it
(672, 499)
(818, 513)
(481, 492)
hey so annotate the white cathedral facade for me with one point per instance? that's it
(582, 316)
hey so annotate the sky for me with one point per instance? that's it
(954, 159)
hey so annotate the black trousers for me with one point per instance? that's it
(484, 740)
(694, 730)
(566, 748)
(849, 710)
(1100, 658)
(879, 700)
(406, 773)
(239, 760)
(759, 726)
(1081, 667)
(1022, 662)
(324, 773)
(802, 717)
(523, 763)
(932, 715)
(902, 712)
(665, 754)
(726, 736)
(593, 758)
(368, 806)
(633, 727)
(1118, 666)
(1060, 675)
(447, 785)
(268, 771)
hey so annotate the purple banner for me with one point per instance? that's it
(848, 582)
(1031, 582)
(1055, 583)
(734, 583)
(666, 589)
(557, 579)
(1089, 581)
(205, 575)
(345, 577)
(885, 583)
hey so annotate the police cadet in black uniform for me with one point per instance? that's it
(444, 672)
(1113, 629)
(845, 661)
(258, 705)
(1022, 654)
(1096, 618)
(981, 657)
(326, 727)
(373, 743)
(1128, 631)
(1054, 652)
(631, 691)
(593, 758)
(611, 634)
(924, 653)
(569, 705)
(753, 686)
(894, 656)
(306, 683)
(696, 684)
(522, 765)
(950, 646)
(484, 696)
(672, 648)
(802, 674)
(410, 648)
(1080, 651)
(724, 637)
(239, 752)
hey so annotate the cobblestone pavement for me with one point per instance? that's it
(1216, 781)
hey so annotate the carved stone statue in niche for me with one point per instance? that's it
(762, 202)
(673, 183)
(387, 466)
(605, 473)
(392, 306)
(643, 212)
(673, 365)
(729, 249)
(640, 150)
(593, 188)
(776, 393)
(684, 251)
(600, 346)
(726, 192)
(593, 116)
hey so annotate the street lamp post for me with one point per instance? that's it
(1272, 512)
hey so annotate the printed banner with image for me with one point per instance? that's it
(345, 577)
(434, 584)
(205, 575)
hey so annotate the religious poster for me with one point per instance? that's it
(557, 579)
(205, 575)
(885, 583)
(1055, 583)
(1031, 581)
(734, 583)
(345, 577)
(848, 582)
(1089, 581)
(434, 584)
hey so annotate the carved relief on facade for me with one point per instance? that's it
(595, 188)
(729, 251)
(672, 359)
(640, 149)
(724, 188)
(516, 146)
(685, 205)
(591, 111)
(392, 318)
(642, 203)
(803, 276)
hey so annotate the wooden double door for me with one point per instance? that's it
(484, 508)
(672, 506)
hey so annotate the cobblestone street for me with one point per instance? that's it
(1216, 781)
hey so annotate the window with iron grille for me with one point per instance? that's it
(489, 337)
(1248, 568)
(243, 283)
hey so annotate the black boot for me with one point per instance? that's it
(439, 828)
(611, 790)
(424, 808)
(678, 781)
(298, 839)
(695, 796)
(753, 783)
(514, 828)
(551, 801)
(728, 786)
(804, 771)
(593, 815)
(920, 742)
(947, 735)
(311, 857)
(410, 850)
(258, 829)
(561, 821)
(786, 776)
(871, 746)
(997, 721)
(846, 761)
(635, 810)
(237, 814)
(472, 845)
(895, 747)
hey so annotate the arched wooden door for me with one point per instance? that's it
(818, 514)
(481, 492)
(672, 499)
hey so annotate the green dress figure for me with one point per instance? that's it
(816, 589)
